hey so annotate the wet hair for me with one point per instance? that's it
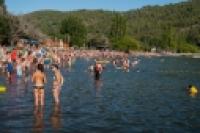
(20, 55)
(190, 86)
(29, 52)
(40, 67)
(56, 66)
(35, 61)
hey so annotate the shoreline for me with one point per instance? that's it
(146, 54)
(168, 54)
(153, 54)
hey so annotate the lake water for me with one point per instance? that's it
(151, 97)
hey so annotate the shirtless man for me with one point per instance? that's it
(39, 79)
(57, 84)
(98, 70)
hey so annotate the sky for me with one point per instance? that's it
(26, 6)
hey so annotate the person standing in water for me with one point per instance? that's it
(97, 70)
(10, 70)
(126, 64)
(39, 79)
(19, 69)
(57, 83)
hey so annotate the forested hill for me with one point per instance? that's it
(174, 27)
(12, 28)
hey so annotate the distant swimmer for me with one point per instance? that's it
(98, 70)
(193, 91)
(39, 79)
(126, 64)
(134, 63)
(57, 83)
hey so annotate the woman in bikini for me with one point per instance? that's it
(39, 79)
(57, 83)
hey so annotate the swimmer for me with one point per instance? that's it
(39, 79)
(57, 83)
(192, 90)
(134, 63)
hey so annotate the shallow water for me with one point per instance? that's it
(151, 97)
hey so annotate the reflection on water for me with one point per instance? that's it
(151, 97)
(98, 86)
(56, 117)
(38, 119)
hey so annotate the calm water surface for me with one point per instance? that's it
(149, 98)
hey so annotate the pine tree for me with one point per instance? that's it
(118, 27)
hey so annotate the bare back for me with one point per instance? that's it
(38, 78)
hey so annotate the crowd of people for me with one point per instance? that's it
(29, 64)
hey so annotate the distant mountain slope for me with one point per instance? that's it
(49, 21)
(147, 25)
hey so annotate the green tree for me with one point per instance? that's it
(74, 29)
(2, 7)
(118, 27)
(4, 30)
(2, 2)
(146, 24)
(97, 40)
(169, 39)
(127, 43)
(185, 47)
(193, 35)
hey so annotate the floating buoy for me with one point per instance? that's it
(2, 89)
(193, 90)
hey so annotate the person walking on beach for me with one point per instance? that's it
(57, 83)
(39, 79)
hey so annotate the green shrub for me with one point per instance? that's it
(187, 48)
(127, 43)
